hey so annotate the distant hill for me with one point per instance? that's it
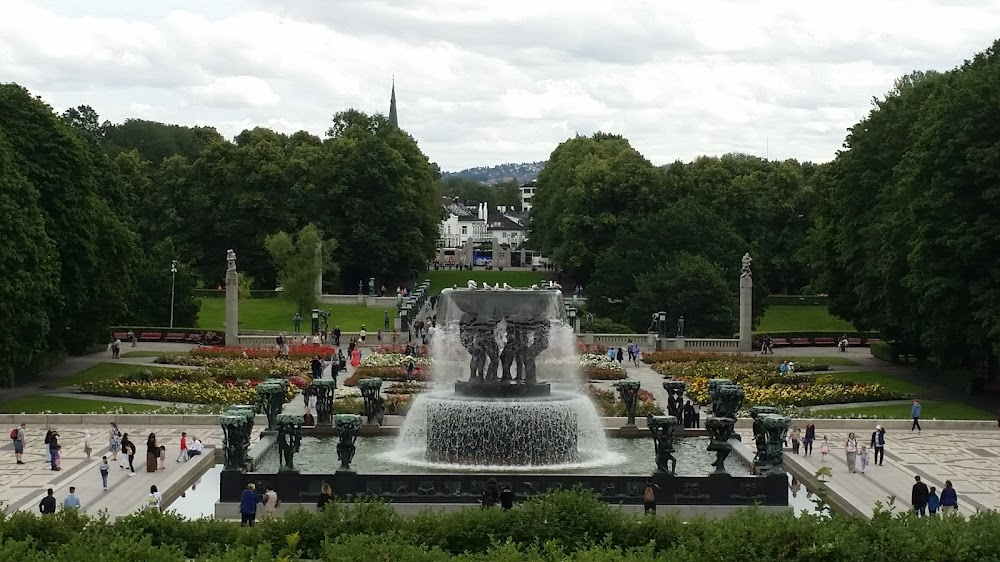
(523, 172)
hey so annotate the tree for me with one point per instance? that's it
(28, 259)
(150, 302)
(299, 262)
(690, 286)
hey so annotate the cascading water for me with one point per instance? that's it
(506, 389)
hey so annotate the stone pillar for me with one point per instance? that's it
(746, 313)
(319, 270)
(232, 301)
(679, 343)
(588, 338)
(651, 340)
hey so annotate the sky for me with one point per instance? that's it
(486, 82)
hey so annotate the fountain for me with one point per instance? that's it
(491, 408)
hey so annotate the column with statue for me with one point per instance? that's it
(232, 300)
(746, 304)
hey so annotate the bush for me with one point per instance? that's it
(607, 326)
(886, 351)
(804, 300)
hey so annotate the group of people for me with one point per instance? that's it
(618, 354)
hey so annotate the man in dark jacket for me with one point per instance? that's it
(878, 445)
(48, 504)
(919, 497)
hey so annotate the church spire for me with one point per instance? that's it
(393, 120)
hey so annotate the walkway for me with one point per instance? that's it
(967, 458)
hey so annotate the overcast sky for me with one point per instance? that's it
(486, 82)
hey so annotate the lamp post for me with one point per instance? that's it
(173, 277)
(662, 318)
(315, 321)
(572, 318)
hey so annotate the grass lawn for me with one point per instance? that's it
(802, 359)
(276, 314)
(37, 404)
(154, 353)
(875, 377)
(796, 318)
(103, 371)
(931, 410)
(443, 279)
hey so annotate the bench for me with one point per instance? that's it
(121, 336)
(801, 341)
(176, 337)
(872, 340)
(825, 341)
(150, 336)
(853, 341)
(193, 338)
(779, 342)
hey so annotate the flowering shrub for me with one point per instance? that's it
(393, 360)
(405, 388)
(751, 361)
(342, 392)
(303, 351)
(200, 392)
(242, 368)
(609, 404)
(397, 374)
(400, 349)
(601, 367)
(591, 348)
(394, 404)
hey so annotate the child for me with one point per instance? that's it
(863, 455)
(88, 444)
(933, 502)
(162, 464)
(824, 448)
(105, 468)
(183, 457)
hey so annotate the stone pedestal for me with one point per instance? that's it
(589, 338)
(746, 313)
(679, 343)
(651, 340)
(232, 307)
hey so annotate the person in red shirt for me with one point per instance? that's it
(184, 448)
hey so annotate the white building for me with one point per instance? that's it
(527, 192)
(461, 224)
(507, 227)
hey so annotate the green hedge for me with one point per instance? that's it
(569, 525)
(221, 294)
(812, 336)
(805, 300)
(886, 351)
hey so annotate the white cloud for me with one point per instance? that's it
(481, 82)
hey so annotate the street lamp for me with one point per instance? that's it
(662, 318)
(315, 321)
(173, 277)
(572, 318)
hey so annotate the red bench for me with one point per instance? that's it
(801, 341)
(193, 338)
(150, 336)
(779, 342)
(853, 341)
(121, 336)
(176, 337)
(825, 341)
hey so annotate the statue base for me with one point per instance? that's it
(502, 389)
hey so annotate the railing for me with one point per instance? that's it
(370, 302)
(694, 343)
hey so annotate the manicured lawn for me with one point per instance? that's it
(153, 353)
(443, 279)
(875, 377)
(803, 359)
(38, 404)
(103, 371)
(931, 410)
(795, 318)
(277, 314)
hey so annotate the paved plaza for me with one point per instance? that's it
(23, 486)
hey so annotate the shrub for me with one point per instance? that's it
(886, 351)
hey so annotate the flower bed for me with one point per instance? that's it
(601, 367)
(400, 349)
(184, 385)
(405, 388)
(396, 374)
(610, 405)
(242, 368)
(304, 351)
(591, 348)
(694, 358)
(393, 360)
(394, 404)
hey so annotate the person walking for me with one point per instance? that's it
(104, 469)
(71, 501)
(48, 504)
(796, 438)
(878, 445)
(949, 498)
(248, 506)
(649, 497)
(325, 496)
(183, 457)
(863, 456)
(152, 453)
(155, 500)
(808, 438)
(128, 454)
(114, 441)
(915, 414)
(933, 502)
(19, 444)
(54, 450)
(271, 502)
(506, 497)
(851, 448)
(491, 493)
(919, 497)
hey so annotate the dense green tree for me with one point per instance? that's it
(156, 141)
(150, 302)
(28, 259)
(299, 261)
(503, 194)
(686, 285)
(97, 251)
